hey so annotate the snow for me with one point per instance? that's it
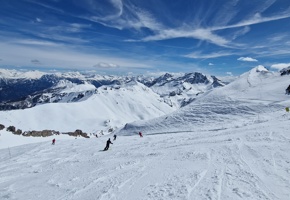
(252, 97)
(72, 87)
(110, 107)
(232, 143)
(249, 162)
(8, 140)
(14, 74)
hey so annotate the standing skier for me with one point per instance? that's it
(53, 141)
(115, 137)
(108, 144)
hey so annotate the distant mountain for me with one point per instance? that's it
(255, 93)
(179, 91)
(106, 108)
(20, 90)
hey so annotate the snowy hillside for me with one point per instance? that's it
(109, 107)
(248, 162)
(253, 97)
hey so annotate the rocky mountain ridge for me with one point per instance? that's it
(21, 90)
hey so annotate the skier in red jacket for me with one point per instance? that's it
(53, 141)
(140, 134)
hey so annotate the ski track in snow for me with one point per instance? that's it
(243, 163)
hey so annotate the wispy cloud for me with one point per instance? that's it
(106, 65)
(210, 64)
(241, 32)
(200, 34)
(136, 18)
(35, 42)
(256, 19)
(247, 59)
(199, 55)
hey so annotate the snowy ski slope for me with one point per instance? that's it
(233, 143)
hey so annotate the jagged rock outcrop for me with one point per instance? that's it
(161, 80)
(288, 90)
(285, 71)
(78, 133)
(11, 129)
(195, 78)
(217, 82)
(44, 133)
(18, 132)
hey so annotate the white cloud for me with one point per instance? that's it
(280, 66)
(247, 59)
(124, 15)
(198, 55)
(75, 27)
(200, 34)
(256, 19)
(36, 42)
(278, 38)
(106, 65)
(229, 73)
(38, 19)
(241, 32)
(210, 64)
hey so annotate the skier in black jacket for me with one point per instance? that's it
(108, 144)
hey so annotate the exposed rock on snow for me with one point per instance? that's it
(2, 127)
(285, 71)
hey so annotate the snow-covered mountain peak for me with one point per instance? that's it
(261, 68)
(70, 87)
(14, 74)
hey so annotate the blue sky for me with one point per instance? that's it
(218, 37)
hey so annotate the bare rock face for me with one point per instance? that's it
(43, 133)
(2, 127)
(11, 129)
(285, 71)
(78, 133)
(288, 90)
(110, 130)
(18, 132)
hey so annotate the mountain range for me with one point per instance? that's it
(20, 90)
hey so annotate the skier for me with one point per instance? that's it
(115, 137)
(53, 141)
(140, 134)
(108, 144)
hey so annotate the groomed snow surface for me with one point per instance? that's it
(250, 162)
(233, 143)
